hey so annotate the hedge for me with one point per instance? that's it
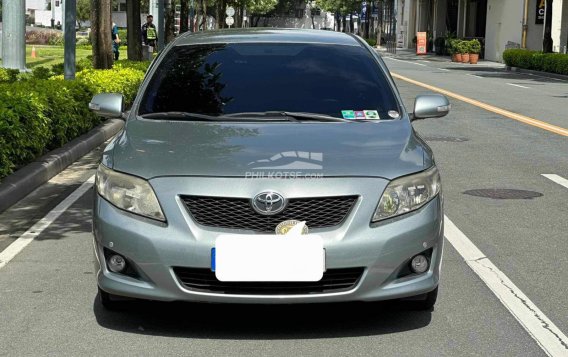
(41, 111)
(536, 60)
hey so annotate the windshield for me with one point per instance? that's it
(223, 79)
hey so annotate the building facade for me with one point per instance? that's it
(500, 24)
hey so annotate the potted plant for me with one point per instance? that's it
(454, 50)
(464, 50)
(474, 50)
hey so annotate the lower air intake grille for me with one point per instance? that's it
(204, 280)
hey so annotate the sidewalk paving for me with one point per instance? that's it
(409, 54)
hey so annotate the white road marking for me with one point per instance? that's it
(443, 69)
(394, 59)
(558, 179)
(419, 64)
(473, 75)
(539, 327)
(19, 244)
(518, 85)
(536, 75)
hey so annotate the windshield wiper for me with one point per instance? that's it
(175, 115)
(299, 116)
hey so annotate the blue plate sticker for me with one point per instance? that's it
(212, 259)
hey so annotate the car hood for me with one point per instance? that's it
(153, 148)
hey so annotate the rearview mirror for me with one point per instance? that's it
(431, 106)
(109, 105)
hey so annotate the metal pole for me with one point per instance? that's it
(161, 25)
(14, 34)
(70, 41)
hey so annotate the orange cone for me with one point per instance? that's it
(34, 55)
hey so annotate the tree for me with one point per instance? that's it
(184, 16)
(134, 30)
(101, 37)
(259, 8)
(83, 10)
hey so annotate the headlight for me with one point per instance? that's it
(407, 194)
(129, 193)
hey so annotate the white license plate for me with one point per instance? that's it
(269, 258)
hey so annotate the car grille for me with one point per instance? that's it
(204, 280)
(237, 213)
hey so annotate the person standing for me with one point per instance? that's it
(149, 33)
(115, 42)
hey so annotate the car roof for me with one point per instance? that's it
(273, 35)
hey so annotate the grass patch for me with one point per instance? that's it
(50, 55)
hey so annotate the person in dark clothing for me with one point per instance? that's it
(149, 33)
(115, 41)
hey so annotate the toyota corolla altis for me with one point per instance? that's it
(268, 166)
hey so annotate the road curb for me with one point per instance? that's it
(538, 73)
(22, 182)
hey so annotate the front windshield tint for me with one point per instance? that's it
(235, 78)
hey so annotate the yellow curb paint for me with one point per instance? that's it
(518, 117)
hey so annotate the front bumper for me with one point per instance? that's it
(383, 250)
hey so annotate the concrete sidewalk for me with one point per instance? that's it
(409, 54)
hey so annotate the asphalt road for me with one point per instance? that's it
(48, 300)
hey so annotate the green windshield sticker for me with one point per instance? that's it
(348, 114)
(372, 114)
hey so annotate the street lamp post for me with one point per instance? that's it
(70, 35)
(14, 34)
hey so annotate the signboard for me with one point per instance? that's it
(230, 11)
(230, 21)
(540, 10)
(421, 43)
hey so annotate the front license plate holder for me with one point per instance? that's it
(268, 258)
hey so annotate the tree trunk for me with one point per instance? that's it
(218, 20)
(184, 16)
(101, 33)
(204, 19)
(134, 32)
(170, 10)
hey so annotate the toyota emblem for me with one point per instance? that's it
(268, 203)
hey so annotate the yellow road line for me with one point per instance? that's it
(523, 119)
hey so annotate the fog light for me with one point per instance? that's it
(116, 263)
(419, 264)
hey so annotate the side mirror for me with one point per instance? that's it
(109, 105)
(431, 106)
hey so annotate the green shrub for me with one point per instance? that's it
(120, 79)
(122, 35)
(40, 72)
(138, 65)
(536, 60)
(38, 115)
(55, 39)
(8, 75)
(463, 47)
(475, 46)
(454, 45)
(83, 41)
(371, 41)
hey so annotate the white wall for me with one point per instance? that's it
(534, 31)
(504, 24)
(559, 25)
